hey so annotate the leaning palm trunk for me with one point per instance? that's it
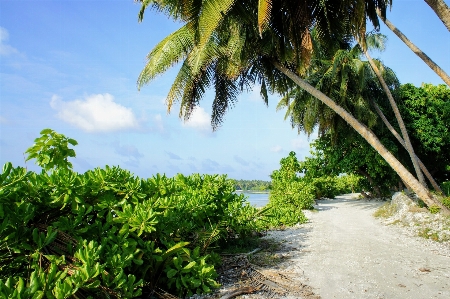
(367, 134)
(440, 72)
(399, 138)
(442, 11)
(398, 117)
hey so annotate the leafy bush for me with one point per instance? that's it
(446, 202)
(325, 187)
(289, 194)
(109, 234)
(434, 209)
(445, 186)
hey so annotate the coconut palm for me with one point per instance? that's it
(230, 54)
(378, 42)
(436, 68)
(349, 81)
(442, 11)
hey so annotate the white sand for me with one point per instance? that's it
(344, 252)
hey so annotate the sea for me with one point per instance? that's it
(256, 199)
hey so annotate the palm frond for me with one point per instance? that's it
(213, 12)
(264, 12)
(263, 93)
(226, 94)
(167, 53)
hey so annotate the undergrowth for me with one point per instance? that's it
(385, 211)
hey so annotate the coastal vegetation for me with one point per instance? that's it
(252, 185)
(230, 46)
(109, 234)
(106, 233)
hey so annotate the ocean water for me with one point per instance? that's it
(256, 199)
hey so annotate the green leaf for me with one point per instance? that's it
(46, 131)
(6, 169)
(72, 141)
(190, 265)
(171, 273)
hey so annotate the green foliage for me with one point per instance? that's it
(385, 211)
(109, 234)
(348, 183)
(434, 209)
(426, 112)
(51, 150)
(289, 194)
(446, 201)
(353, 156)
(446, 187)
(252, 185)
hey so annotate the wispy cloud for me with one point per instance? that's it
(240, 161)
(210, 165)
(5, 49)
(173, 156)
(276, 149)
(199, 121)
(127, 150)
(3, 120)
(95, 113)
(192, 167)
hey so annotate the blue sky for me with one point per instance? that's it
(72, 66)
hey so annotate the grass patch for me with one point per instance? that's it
(395, 222)
(385, 211)
(427, 233)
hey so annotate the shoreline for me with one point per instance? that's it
(254, 192)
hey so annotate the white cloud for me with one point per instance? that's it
(300, 143)
(276, 149)
(96, 113)
(3, 120)
(4, 48)
(199, 121)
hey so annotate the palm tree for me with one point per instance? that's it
(402, 142)
(442, 11)
(350, 81)
(436, 68)
(378, 42)
(230, 54)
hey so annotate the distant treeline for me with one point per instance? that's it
(252, 185)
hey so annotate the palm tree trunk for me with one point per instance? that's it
(440, 72)
(399, 138)
(398, 117)
(368, 135)
(442, 11)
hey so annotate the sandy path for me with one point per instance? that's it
(344, 252)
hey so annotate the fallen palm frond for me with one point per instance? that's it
(269, 283)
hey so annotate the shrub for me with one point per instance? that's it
(109, 234)
(289, 194)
